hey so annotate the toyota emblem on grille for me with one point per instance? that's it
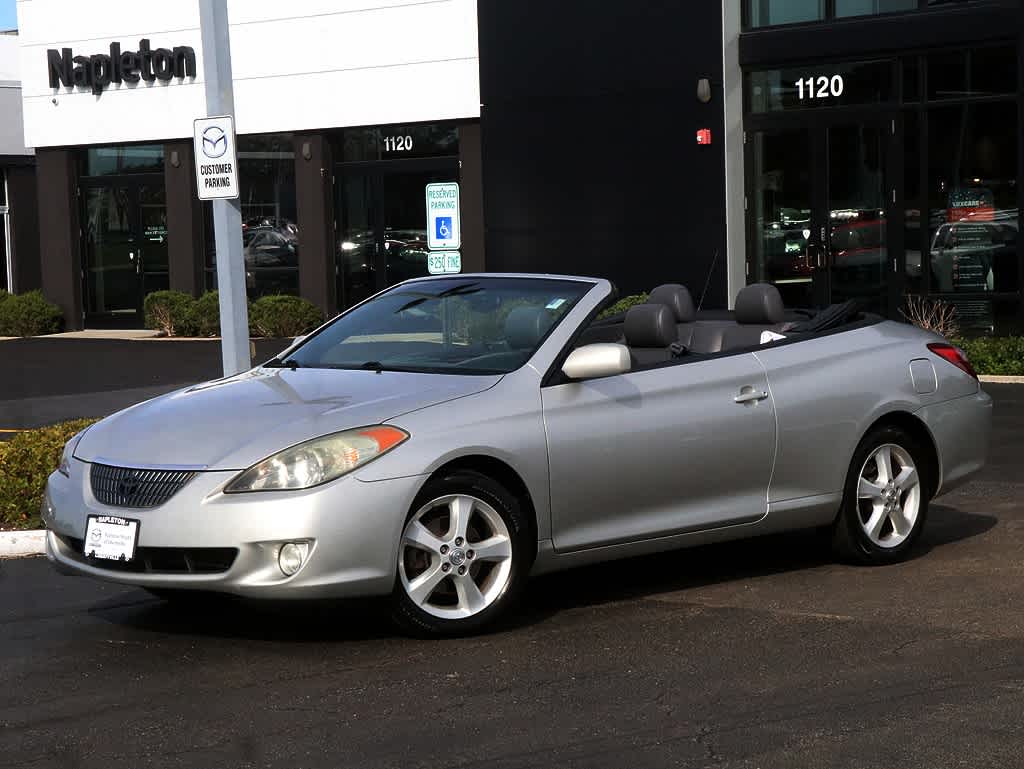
(128, 486)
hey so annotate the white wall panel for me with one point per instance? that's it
(12, 138)
(303, 64)
(51, 23)
(9, 62)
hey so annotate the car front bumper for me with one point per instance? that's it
(352, 529)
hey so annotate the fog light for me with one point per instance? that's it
(291, 557)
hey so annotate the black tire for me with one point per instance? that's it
(412, 619)
(850, 541)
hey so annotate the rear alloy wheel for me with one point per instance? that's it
(462, 558)
(886, 498)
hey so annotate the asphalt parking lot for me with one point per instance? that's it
(755, 654)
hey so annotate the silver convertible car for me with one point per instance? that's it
(444, 440)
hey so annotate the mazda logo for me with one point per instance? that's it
(215, 142)
(128, 486)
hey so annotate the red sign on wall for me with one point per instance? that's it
(974, 204)
(704, 136)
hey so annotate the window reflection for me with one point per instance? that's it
(270, 233)
(867, 7)
(782, 213)
(765, 13)
(5, 228)
(140, 158)
(973, 216)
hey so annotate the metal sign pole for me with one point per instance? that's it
(227, 214)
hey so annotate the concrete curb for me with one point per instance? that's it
(22, 544)
(993, 379)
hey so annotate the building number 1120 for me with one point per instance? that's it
(820, 87)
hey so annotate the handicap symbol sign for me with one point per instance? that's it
(444, 227)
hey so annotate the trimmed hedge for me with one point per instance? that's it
(204, 317)
(178, 314)
(169, 311)
(29, 314)
(283, 316)
(995, 355)
(622, 305)
(26, 461)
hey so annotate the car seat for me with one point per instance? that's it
(679, 301)
(759, 308)
(650, 332)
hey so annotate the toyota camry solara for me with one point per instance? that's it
(444, 440)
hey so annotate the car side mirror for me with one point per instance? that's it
(597, 360)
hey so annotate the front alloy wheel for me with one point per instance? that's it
(461, 558)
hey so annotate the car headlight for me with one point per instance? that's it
(64, 468)
(319, 460)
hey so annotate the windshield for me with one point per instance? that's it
(462, 325)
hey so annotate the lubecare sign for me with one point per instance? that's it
(98, 71)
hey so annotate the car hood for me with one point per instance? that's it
(230, 424)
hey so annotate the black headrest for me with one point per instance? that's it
(526, 326)
(649, 325)
(677, 298)
(760, 303)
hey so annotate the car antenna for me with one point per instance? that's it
(707, 282)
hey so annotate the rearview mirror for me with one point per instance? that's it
(597, 360)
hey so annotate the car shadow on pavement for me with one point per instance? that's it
(226, 616)
(718, 563)
(344, 621)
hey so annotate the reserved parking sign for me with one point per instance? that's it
(443, 225)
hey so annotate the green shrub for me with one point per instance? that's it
(26, 461)
(29, 314)
(283, 316)
(3, 295)
(622, 305)
(204, 318)
(170, 312)
(997, 355)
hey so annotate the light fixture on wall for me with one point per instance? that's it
(307, 150)
(703, 90)
(175, 159)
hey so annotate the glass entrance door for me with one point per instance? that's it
(855, 248)
(820, 203)
(124, 233)
(382, 226)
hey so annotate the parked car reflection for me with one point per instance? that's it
(271, 261)
(974, 256)
(406, 254)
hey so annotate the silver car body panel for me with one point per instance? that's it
(281, 408)
(653, 453)
(625, 465)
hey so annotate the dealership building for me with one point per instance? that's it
(19, 226)
(840, 149)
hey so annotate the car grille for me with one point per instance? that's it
(129, 487)
(162, 560)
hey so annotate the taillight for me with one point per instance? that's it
(954, 355)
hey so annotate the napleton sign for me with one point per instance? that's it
(98, 71)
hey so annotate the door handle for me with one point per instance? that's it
(750, 395)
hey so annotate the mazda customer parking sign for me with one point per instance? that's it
(216, 164)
